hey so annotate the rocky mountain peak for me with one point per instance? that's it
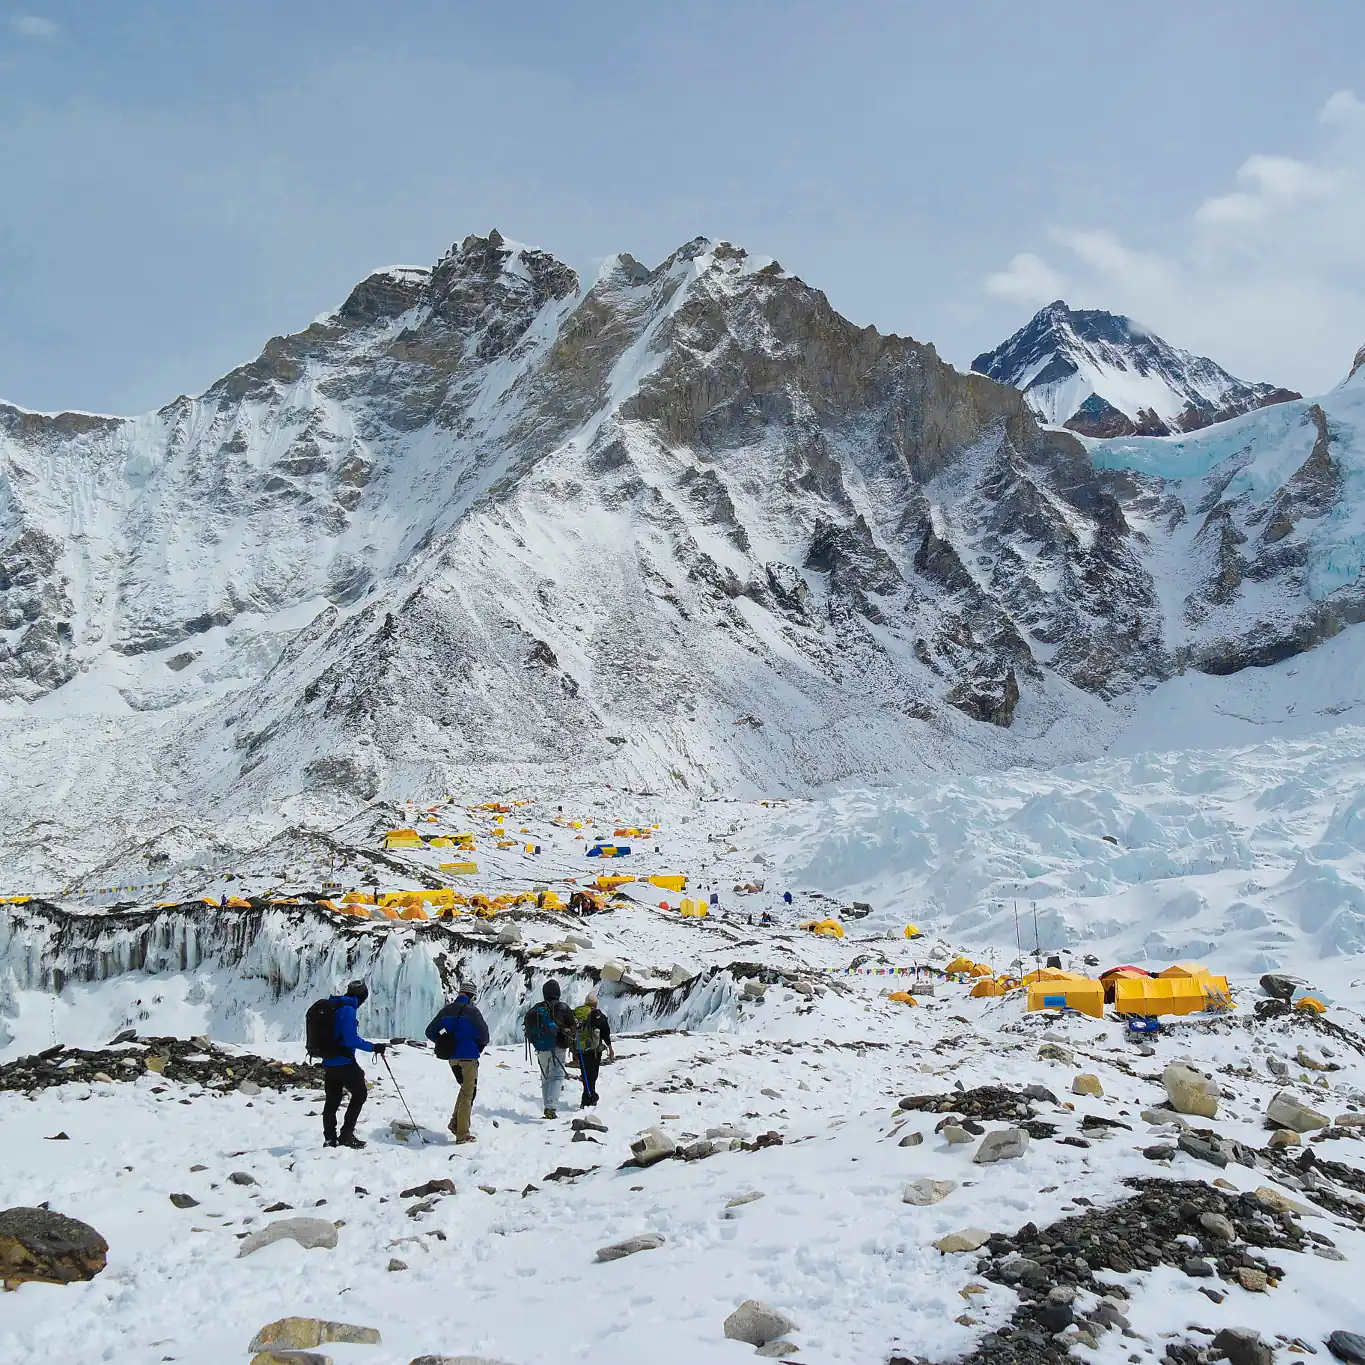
(1103, 375)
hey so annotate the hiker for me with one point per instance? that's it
(593, 1034)
(787, 897)
(550, 1025)
(765, 918)
(460, 1035)
(333, 1036)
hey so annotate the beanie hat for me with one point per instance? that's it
(359, 990)
(591, 998)
(551, 990)
(467, 988)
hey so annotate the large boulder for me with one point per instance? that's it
(37, 1244)
(925, 1191)
(1001, 1145)
(1284, 1111)
(301, 1334)
(307, 1232)
(1190, 1092)
(966, 1239)
(757, 1324)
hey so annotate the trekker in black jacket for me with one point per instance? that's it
(593, 1037)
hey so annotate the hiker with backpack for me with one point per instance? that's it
(592, 1037)
(460, 1035)
(333, 1035)
(550, 1027)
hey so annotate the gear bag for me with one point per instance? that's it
(320, 1029)
(589, 1037)
(541, 1030)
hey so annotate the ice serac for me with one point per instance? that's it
(1102, 375)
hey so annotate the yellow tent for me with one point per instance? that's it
(357, 898)
(1310, 1004)
(442, 841)
(980, 969)
(912, 932)
(959, 964)
(903, 998)
(1073, 992)
(610, 883)
(989, 986)
(690, 909)
(1051, 974)
(459, 869)
(824, 928)
(1179, 969)
(402, 838)
(238, 903)
(669, 881)
(1170, 994)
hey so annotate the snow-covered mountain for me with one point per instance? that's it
(686, 526)
(1102, 375)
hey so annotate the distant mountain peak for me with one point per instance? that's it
(1103, 374)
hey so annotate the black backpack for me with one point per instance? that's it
(320, 1029)
(445, 1040)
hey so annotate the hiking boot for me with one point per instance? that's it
(468, 1137)
(329, 1142)
(350, 1140)
(550, 1114)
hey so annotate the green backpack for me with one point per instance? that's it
(589, 1037)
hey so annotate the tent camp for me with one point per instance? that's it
(1115, 973)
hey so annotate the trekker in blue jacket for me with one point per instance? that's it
(341, 1071)
(460, 1035)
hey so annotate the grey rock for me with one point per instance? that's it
(184, 1201)
(1159, 1151)
(912, 1139)
(1243, 1346)
(741, 1199)
(307, 1232)
(1189, 1091)
(925, 1191)
(649, 1241)
(1347, 1346)
(757, 1324)
(955, 1134)
(652, 1145)
(249, 1088)
(1284, 1111)
(302, 1334)
(589, 1123)
(1056, 1052)
(242, 1178)
(966, 1239)
(1002, 1145)
(1202, 1150)
(775, 1350)
(396, 1264)
(1197, 1268)
(1278, 987)
(1216, 1225)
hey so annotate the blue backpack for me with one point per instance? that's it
(541, 1030)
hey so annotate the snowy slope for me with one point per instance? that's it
(1102, 374)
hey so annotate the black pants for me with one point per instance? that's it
(335, 1080)
(591, 1063)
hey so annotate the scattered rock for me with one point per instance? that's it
(589, 1124)
(774, 1350)
(396, 1264)
(1253, 1280)
(1306, 1059)
(307, 1232)
(757, 1324)
(968, 1239)
(184, 1201)
(955, 1134)
(649, 1241)
(1278, 987)
(1202, 1149)
(744, 1199)
(287, 1357)
(242, 1178)
(1284, 1111)
(1055, 1052)
(1347, 1346)
(1002, 1145)
(1190, 1092)
(652, 1145)
(301, 1334)
(911, 1140)
(431, 1187)
(1160, 1151)
(1243, 1346)
(925, 1191)
(1087, 1084)
(249, 1088)
(1197, 1268)
(1218, 1225)
(1285, 1137)
(1281, 1203)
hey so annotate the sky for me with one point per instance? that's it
(180, 182)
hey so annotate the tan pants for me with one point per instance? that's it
(467, 1073)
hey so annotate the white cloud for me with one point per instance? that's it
(1028, 279)
(1268, 278)
(34, 26)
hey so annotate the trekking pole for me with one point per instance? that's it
(383, 1057)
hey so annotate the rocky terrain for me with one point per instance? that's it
(1100, 374)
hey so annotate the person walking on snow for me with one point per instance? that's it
(341, 1072)
(550, 1026)
(460, 1035)
(593, 1035)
